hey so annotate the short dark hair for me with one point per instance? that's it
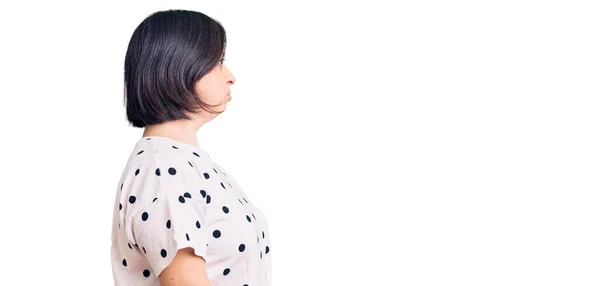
(168, 53)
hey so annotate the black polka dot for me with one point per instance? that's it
(128, 244)
(263, 234)
(163, 253)
(203, 193)
(229, 184)
(187, 195)
(226, 271)
(154, 200)
(267, 250)
(137, 172)
(124, 262)
(215, 170)
(144, 249)
(206, 176)
(257, 239)
(225, 209)
(222, 185)
(175, 147)
(169, 224)
(196, 154)
(131, 199)
(248, 218)
(187, 237)
(157, 172)
(242, 247)
(120, 206)
(190, 164)
(181, 199)
(208, 199)
(121, 186)
(217, 233)
(144, 216)
(197, 224)
(140, 152)
(240, 202)
(172, 171)
(261, 254)
(253, 216)
(245, 284)
(146, 273)
(245, 200)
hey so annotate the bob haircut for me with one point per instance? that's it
(168, 53)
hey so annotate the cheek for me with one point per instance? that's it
(206, 91)
(211, 89)
(210, 97)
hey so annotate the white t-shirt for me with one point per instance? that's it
(170, 196)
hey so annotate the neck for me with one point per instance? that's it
(179, 130)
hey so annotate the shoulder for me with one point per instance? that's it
(165, 158)
(162, 165)
(164, 150)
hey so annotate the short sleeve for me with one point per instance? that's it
(176, 218)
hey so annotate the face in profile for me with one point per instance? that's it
(214, 87)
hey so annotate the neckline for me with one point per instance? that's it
(173, 141)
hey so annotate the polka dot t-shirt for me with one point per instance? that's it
(170, 196)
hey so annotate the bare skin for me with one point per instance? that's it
(185, 269)
(213, 88)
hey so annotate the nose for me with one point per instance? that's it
(231, 77)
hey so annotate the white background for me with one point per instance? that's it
(388, 143)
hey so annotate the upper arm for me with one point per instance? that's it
(173, 219)
(185, 269)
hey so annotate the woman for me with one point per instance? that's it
(180, 218)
